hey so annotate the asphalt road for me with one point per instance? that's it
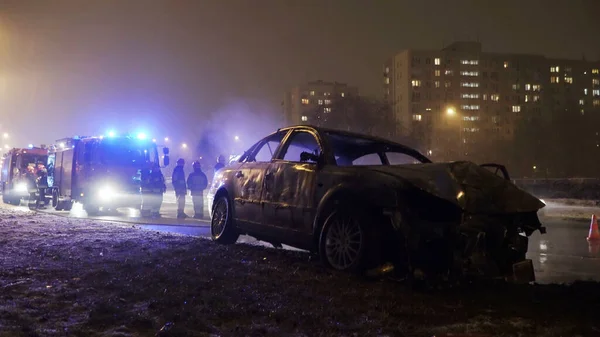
(562, 255)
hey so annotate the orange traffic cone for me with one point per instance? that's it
(594, 233)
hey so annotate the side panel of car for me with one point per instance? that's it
(247, 183)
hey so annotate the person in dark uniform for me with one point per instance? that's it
(220, 163)
(180, 187)
(145, 189)
(197, 182)
(153, 188)
(42, 184)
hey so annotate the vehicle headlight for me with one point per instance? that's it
(21, 187)
(106, 193)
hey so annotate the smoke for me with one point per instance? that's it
(230, 130)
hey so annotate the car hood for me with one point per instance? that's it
(472, 188)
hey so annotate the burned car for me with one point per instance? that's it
(362, 202)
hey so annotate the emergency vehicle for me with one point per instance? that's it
(101, 173)
(19, 169)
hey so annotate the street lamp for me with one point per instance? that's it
(184, 145)
(166, 139)
(5, 135)
(236, 138)
(450, 111)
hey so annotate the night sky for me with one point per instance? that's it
(83, 66)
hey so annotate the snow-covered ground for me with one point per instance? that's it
(79, 277)
(570, 209)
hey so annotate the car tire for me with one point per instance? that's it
(222, 226)
(346, 240)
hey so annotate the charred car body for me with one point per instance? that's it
(99, 172)
(362, 202)
(19, 173)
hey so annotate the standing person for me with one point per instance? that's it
(180, 187)
(42, 183)
(220, 163)
(145, 190)
(157, 183)
(197, 182)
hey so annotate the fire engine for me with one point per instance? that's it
(18, 174)
(101, 173)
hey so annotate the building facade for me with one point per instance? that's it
(312, 102)
(463, 103)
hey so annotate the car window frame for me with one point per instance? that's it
(254, 149)
(287, 141)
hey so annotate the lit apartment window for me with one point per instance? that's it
(596, 102)
(470, 96)
(469, 84)
(526, 98)
(554, 79)
(470, 118)
(594, 71)
(387, 80)
(304, 118)
(387, 70)
(527, 87)
(326, 94)
(469, 73)
(327, 101)
(596, 81)
(569, 80)
(470, 62)
(447, 84)
(437, 72)
(516, 87)
(417, 118)
(305, 101)
(585, 91)
(312, 93)
(342, 94)
(485, 97)
(448, 72)
(320, 102)
(536, 98)
(495, 97)
(516, 108)
(536, 87)
(469, 130)
(470, 107)
(437, 61)
(326, 110)
(416, 83)
(437, 84)
(581, 102)
(554, 69)
(505, 64)
(596, 92)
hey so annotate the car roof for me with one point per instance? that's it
(351, 134)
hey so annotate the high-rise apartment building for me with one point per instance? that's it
(459, 98)
(311, 103)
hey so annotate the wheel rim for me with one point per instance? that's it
(219, 217)
(343, 243)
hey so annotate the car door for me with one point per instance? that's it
(248, 181)
(290, 182)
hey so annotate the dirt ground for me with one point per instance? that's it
(73, 277)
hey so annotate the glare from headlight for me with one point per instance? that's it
(106, 193)
(21, 187)
(543, 202)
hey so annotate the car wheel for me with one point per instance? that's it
(344, 241)
(222, 228)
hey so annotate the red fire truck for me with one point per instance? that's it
(101, 173)
(19, 168)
